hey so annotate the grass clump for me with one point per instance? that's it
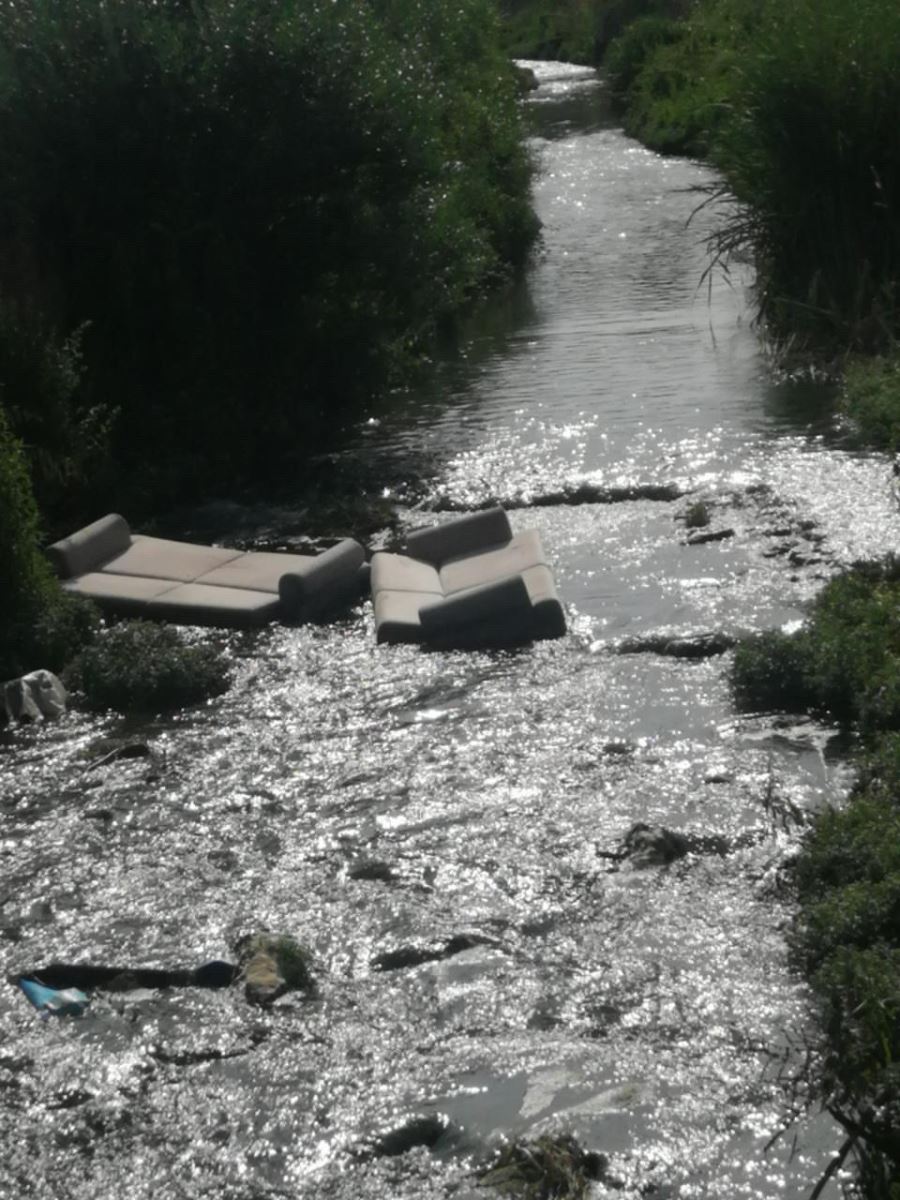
(848, 938)
(697, 515)
(551, 1167)
(139, 666)
(872, 400)
(844, 662)
(771, 672)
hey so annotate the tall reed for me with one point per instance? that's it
(812, 152)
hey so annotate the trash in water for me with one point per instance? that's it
(52, 1002)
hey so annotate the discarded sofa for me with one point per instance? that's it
(134, 575)
(466, 584)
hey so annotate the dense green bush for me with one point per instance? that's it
(139, 666)
(27, 587)
(575, 30)
(628, 54)
(63, 629)
(262, 208)
(676, 75)
(65, 441)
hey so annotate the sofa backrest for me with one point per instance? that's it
(90, 547)
(471, 534)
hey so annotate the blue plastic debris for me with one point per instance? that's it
(54, 1002)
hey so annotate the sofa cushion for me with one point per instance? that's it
(121, 593)
(400, 573)
(465, 535)
(494, 614)
(159, 558)
(397, 614)
(521, 552)
(200, 604)
(254, 571)
(315, 584)
(90, 547)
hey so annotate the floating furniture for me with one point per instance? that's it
(468, 583)
(140, 576)
(53, 1002)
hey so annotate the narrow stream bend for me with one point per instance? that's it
(443, 829)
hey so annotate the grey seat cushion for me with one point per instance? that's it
(524, 550)
(397, 614)
(200, 604)
(400, 573)
(159, 558)
(126, 592)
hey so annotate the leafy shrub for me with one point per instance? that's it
(140, 666)
(27, 587)
(64, 440)
(628, 55)
(275, 205)
(575, 30)
(63, 630)
(677, 79)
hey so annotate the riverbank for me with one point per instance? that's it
(799, 134)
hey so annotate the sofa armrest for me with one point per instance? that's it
(466, 535)
(90, 547)
(496, 613)
(329, 578)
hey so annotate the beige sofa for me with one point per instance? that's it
(468, 583)
(141, 576)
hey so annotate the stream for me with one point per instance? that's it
(444, 831)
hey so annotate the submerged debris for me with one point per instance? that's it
(272, 964)
(552, 1167)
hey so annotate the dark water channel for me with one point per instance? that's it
(439, 828)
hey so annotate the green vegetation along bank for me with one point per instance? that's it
(224, 228)
(798, 105)
(574, 30)
(844, 664)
